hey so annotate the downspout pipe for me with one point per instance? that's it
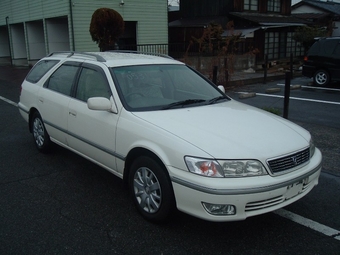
(9, 41)
(72, 29)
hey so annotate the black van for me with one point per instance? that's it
(323, 61)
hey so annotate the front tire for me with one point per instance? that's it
(151, 189)
(321, 78)
(41, 138)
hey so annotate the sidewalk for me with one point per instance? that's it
(14, 74)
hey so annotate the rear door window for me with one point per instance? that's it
(40, 69)
(63, 78)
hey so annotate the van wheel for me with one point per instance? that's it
(41, 138)
(151, 189)
(321, 78)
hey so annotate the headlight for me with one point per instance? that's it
(204, 167)
(242, 168)
(225, 168)
(311, 148)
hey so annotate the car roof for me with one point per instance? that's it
(117, 58)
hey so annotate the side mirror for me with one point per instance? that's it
(221, 87)
(101, 104)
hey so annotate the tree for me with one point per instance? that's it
(107, 25)
(306, 35)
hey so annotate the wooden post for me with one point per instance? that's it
(265, 69)
(214, 80)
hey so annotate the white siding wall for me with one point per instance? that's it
(150, 15)
(30, 10)
(306, 9)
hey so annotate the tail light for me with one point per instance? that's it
(305, 58)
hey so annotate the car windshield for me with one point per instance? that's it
(162, 87)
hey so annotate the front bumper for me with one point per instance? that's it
(251, 196)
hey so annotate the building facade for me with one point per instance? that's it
(264, 25)
(31, 29)
(325, 15)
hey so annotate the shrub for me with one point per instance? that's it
(107, 25)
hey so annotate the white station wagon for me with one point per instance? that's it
(175, 138)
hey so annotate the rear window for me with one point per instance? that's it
(40, 69)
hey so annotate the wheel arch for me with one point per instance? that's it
(135, 153)
(30, 114)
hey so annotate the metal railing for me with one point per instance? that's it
(179, 50)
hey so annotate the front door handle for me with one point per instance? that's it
(73, 113)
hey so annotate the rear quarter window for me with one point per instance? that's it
(40, 69)
(329, 46)
(315, 49)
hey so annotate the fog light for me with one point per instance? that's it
(215, 209)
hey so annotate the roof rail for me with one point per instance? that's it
(141, 52)
(72, 53)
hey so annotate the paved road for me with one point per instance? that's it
(59, 203)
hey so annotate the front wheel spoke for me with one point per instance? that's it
(40, 140)
(156, 196)
(145, 175)
(154, 187)
(153, 204)
(143, 200)
(138, 185)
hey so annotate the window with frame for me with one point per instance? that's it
(40, 69)
(271, 45)
(293, 46)
(281, 44)
(62, 79)
(250, 5)
(274, 6)
(92, 83)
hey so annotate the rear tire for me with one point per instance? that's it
(151, 189)
(321, 78)
(41, 138)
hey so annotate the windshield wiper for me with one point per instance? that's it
(216, 99)
(183, 103)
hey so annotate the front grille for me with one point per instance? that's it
(289, 162)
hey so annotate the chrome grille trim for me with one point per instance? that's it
(258, 205)
(288, 162)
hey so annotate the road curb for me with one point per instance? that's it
(247, 95)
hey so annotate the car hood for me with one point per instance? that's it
(231, 130)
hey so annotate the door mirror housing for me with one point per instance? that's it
(101, 104)
(221, 87)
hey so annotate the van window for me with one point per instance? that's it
(314, 50)
(329, 46)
